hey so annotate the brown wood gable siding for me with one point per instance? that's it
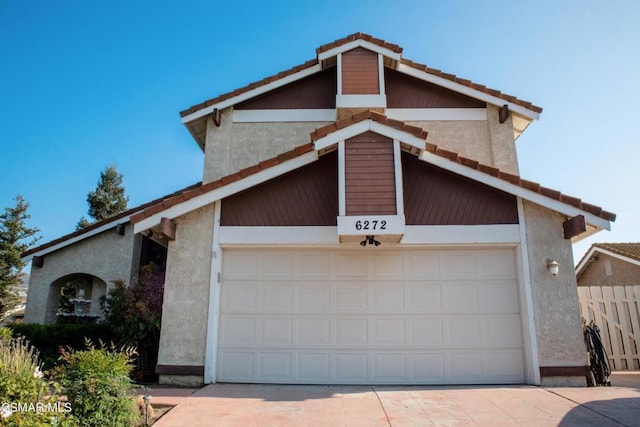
(370, 185)
(314, 92)
(408, 92)
(305, 196)
(360, 72)
(433, 196)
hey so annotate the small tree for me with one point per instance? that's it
(108, 199)
(15, 238)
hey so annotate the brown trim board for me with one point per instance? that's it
(564, 371)
(180, 370)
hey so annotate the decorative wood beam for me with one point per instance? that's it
(38, 261)
(503, 113)
(574, 226)
(168, 228)
(120, 229)
(217, 117)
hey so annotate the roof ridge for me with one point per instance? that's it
(359, 36)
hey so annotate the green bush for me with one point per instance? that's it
(22, 382)
(97, 384)
(5, 334)
(48, 339)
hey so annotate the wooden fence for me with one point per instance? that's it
(616, 311)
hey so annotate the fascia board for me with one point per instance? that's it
(618, 256)
(516, 190)
(359, 43)
(465, 90)
(252, 93)
(72, 240)
(225, 191)
(585, 261)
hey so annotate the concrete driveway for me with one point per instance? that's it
(284, 405)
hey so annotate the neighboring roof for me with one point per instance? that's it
(344, 41)
(629, 252)
(509, 181)
(93, 229)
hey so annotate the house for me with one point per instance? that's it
(610, 264)
(361, 220)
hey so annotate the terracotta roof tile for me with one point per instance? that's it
(345, 40)
(359, 36)
(476, 86)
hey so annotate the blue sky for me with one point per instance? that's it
(86, 84)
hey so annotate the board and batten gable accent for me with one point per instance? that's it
(370, 187)
(315, 92)
(404, 91)
(360, 74)
(304, 197)
(434, 196)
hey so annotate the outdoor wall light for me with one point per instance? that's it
(553, 266)
(370, 240)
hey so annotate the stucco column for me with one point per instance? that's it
(503, 145)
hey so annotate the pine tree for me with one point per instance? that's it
(15, 238)
(108, 199)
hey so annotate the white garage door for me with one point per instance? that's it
(369, 316)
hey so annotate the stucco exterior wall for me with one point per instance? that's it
(489, 142)
(555, 299)
(623, 273)
(234, 146)
(186, 291)
(108, 256)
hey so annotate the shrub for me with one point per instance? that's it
(97, 384)
(5, 334)
(22, 381)
(134, 314)
(49, 338)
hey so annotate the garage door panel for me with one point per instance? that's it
(241, 297)
(425, 297)
(313, 367)
(238, 331)
(276, 332)
(352, 332)
(314, 332)
(351, 298)
(315, 298)
(369, 317)
(426, 332)
(351, 368)
(276, 298)
(388, 298)
(389, 367)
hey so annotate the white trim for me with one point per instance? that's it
(339, 75)
(441, 114)
(105, 227)
(359, 43)
(366, 125)
(461, 234)
(361, 101)
(341, 179)
(300, 235)
(213, 313)
(284, 115)
(397, 165)
(465, 90)
(529, 335)
(252, 93)
(226, 190)
(381, 85)
(354, 225)
(585, 259)
(516, 190)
